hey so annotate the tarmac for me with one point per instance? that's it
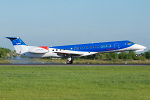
(53, 64)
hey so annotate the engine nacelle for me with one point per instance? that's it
(42, 49)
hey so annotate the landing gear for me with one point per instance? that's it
(136, 55)
(70, 60)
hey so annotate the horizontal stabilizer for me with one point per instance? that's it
(12, 38)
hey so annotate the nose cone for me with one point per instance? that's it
(141, 47)
(144, 47)
(138, 47)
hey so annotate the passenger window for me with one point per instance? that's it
(79, 48)
(109, 45)
(64, 49)
(94, 46)
(67, 48)
(82, 47)
(98, 46)
(105, 45)
(75, 47)
(101, 46)
(90, 46)
(87, 47)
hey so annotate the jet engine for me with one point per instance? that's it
(41, 49)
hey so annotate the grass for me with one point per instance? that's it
(74, 82)
(96, 61)
(2, 61)
(76, 61)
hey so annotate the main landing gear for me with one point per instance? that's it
(70, 60)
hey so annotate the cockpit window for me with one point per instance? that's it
(129, 43)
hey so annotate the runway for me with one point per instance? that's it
(53, 64)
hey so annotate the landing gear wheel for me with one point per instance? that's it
(70, 60)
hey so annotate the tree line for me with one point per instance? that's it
(4, 52)
(120, 55)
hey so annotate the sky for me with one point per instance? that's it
(64, 22)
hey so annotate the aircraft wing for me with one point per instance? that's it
(67, 52)
(74, 53)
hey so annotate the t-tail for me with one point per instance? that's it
(25, 50)
(18, 44)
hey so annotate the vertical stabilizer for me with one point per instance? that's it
(18, 44)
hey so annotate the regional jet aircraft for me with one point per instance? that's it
(72, 51)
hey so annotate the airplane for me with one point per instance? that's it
(73, 51)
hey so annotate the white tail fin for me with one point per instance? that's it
(18, 44)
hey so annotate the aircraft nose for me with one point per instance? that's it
(141, 47)
(138, 47)
(144, 47)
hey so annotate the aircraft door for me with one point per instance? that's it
(116, 46)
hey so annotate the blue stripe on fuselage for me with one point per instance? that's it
(96, 47)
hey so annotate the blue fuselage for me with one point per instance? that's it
(96, 47)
